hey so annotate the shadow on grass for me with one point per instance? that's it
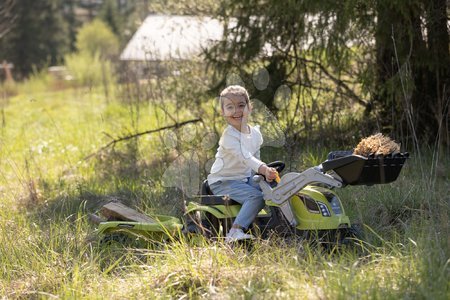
(118, 175)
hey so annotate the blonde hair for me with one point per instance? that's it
(233, 91)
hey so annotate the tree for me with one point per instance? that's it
(73, 24)
(110, 14)
(363, 52)
(413, 66)
(304, 38)
(304, 45)
(91, 64)
(123, 17)
(38, 37)
(7, 18)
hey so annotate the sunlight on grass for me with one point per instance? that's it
(49, 250)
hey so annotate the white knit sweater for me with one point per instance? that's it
(238, 154)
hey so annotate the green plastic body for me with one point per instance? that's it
(309, 220)
(219, 211)
(167, 227)
(164, 228)
(306, 218)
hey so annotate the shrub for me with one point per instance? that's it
(90, 70)
(96, 37)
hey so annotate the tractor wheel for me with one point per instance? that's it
(195, 231)
(216, 227)
(278, 224)
(116, 240)
(353, 237)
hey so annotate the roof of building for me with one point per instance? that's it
(163, 37)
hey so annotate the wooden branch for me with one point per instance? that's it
(115, 211)
(339, 82)
(138, 134)
(348, 91)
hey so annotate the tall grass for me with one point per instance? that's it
(49, 250)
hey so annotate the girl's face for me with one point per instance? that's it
(235, 111)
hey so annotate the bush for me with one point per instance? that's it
(91, 65)
(90, 70)
(96, 37)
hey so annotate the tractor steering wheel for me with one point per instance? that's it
(278, 165)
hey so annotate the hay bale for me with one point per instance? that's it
(377, 144)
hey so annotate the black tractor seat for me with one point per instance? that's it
(208, 198)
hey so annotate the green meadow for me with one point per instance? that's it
(54, 171)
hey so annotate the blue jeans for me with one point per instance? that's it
(248, 193)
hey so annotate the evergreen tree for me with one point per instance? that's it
(72, 23)
(7, 18)
(402, 78)
(413, 66)
(292, 38)
(38, 37)
(120, 16)
(110, 14)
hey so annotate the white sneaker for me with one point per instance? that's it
(236, 234)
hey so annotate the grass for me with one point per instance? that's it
(48, 249)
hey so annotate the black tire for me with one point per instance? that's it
(278, 224)
(354, 237)
(116, 239)
(193, 224)
(214, 224)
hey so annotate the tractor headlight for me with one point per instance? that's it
(335, 205)
(324, 209)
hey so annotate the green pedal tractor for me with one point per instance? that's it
(302, 204)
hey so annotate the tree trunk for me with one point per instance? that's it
(412, 68)
(392, 43)
(438, 47)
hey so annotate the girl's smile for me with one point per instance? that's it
(235, 111)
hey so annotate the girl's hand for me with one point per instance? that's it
(269, 173)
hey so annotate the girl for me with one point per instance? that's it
(236, 158)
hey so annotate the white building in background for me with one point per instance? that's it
(164, 37)
(170, 38)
